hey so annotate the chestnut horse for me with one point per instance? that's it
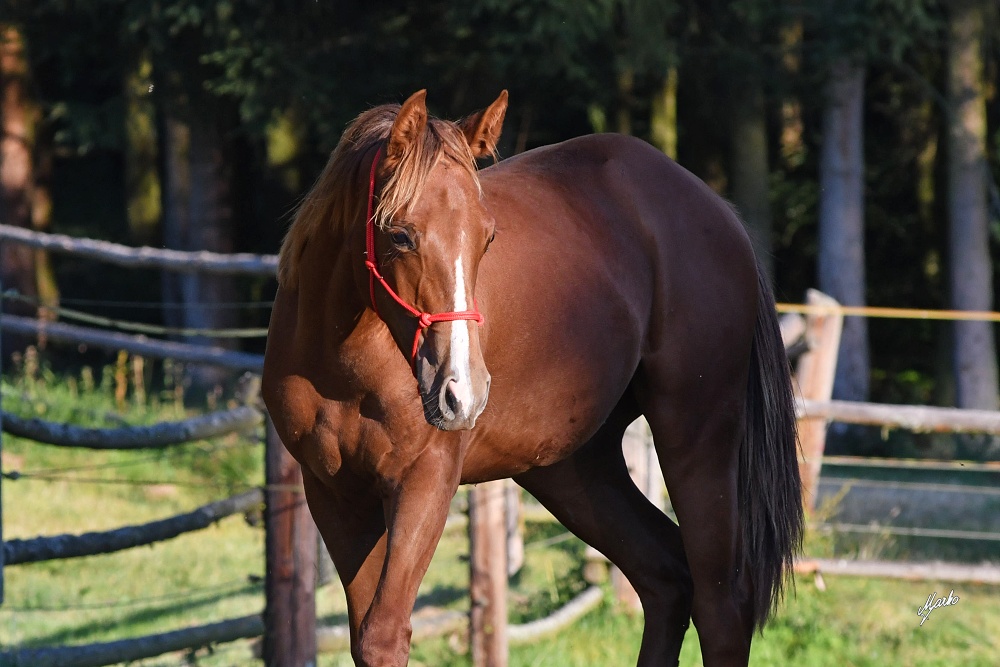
(436, 325)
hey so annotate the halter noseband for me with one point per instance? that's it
(424, 320)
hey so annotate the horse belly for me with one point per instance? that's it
(572, 281)
(539, 422)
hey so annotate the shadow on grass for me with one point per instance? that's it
(83, 633)
(441, 596)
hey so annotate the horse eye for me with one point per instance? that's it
(489, 241)
(401, 239)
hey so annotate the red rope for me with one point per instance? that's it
(424, 320)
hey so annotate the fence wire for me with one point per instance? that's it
(139, 327)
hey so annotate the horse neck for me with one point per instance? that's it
(330, 296)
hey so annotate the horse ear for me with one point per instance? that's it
(409, 124)
(482, 129)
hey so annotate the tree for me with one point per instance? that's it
(970, 266)
(649, 44)
(856, 33)
(142, 179)
(19, 118)
(749, 165)
(841, 260)
(25, 176)
(196, 191)
(749, 146)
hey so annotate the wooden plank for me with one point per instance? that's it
(55, 547)
(816, 371)
(488, 575)
(932, 571)
(290, 545)
(151, 436)
(907, 531)
(144, 257)
(917, 418)
(793, 328)
(147, 347)
(128, 650)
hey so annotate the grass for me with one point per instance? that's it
(216, 573)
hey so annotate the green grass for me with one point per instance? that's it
(216, 573)
(859, 622)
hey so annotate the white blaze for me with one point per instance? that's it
(460, 342)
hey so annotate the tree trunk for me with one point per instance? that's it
(970, 266)
(750, 168)
(17, 262)
(211, 227)
(176, 137)
(46, 286)
(792, 140)
(841, 262)
(930, 193)
(663, 115)
(142, 180)
(623, 112)
(196, 216)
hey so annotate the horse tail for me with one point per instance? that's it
(770, 495)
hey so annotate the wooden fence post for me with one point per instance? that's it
(488, 574)
(1, 453)
(643, 466)
(816, 370)
(290, 545)
(515, 527)
(326, 571)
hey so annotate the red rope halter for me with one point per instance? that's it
(424, 320)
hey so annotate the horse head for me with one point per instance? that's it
(427, 231)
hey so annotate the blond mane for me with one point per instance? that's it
(339, 196)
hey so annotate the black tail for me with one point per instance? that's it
(770, 490)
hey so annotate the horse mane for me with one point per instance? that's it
(338, 199)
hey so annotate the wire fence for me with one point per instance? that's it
(135, 327)
(110, 334)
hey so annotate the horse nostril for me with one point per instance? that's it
(450, 399)
(447, 400)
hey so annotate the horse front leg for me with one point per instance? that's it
(351, 521)
(415, 511)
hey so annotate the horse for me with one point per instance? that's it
(437, 324)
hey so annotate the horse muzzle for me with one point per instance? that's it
(455, 403)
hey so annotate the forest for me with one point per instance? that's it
(859, 140)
